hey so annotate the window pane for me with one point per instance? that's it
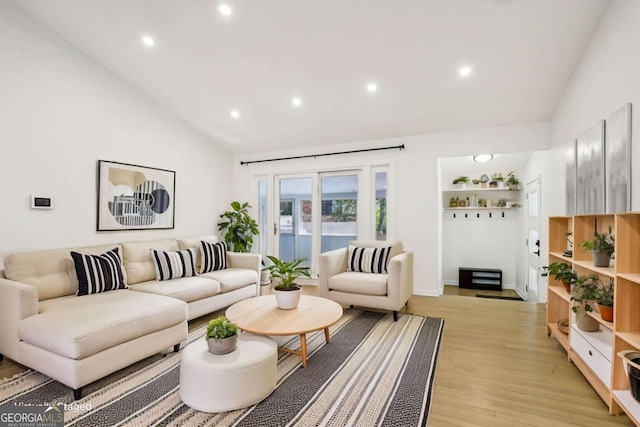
(262, 216)
(339, 211)
(295, 220)
(381, 206)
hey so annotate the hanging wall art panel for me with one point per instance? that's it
(134, 197)
(618, 160)
(571, 179)
(590, 184)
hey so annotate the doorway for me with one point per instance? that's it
(533, 219)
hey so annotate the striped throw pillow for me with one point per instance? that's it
(171, 265)
(98, 273)
(368, 260)
(214, 256)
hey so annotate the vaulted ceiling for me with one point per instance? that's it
(204, 65)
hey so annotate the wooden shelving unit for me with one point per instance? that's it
(625, 329)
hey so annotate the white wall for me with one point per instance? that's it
(59, 114)
(605, 79)
(417, 195)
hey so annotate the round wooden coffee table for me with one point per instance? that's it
(261, 315)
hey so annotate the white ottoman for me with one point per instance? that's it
(219, 383)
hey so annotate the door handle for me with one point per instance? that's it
(275, 229)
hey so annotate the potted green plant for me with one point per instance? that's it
(512, 182)
(562, 272)
(287, 291)
(584, 291)
(497, 180)
(222, 335)
(238, 227)
(605, 300)
(460, 182)
(602, 247)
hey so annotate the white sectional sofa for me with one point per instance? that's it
(79, 339)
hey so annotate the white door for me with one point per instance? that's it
(533, 240)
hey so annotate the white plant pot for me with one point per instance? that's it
(288, 300)
(501, 184)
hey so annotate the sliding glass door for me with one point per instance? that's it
(294, 219)
(339, 193)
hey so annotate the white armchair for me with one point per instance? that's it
(388, 291)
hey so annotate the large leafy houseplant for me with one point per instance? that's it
(287, 272)
(239, 227)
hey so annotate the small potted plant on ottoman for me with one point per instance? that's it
(222, 335)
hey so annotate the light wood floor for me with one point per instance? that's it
(496, 367)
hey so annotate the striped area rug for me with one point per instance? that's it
(373, 372)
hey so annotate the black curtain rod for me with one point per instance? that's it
(399, 147)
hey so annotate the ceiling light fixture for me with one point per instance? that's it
(372, 87)
(235, 114)
(296, 101)
(482, 157)
(225, 10)
(148, 41)
(464, 71)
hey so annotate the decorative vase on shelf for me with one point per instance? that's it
(606, 312)
(601, 258)
(585, 322)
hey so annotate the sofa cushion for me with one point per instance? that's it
(214, 256)
(194, 242)
(233, 278)
(359, 283)
(98, 273)
(368, 260)
(186, 289)
(170, 265)
(79, 327)
(137, 259)
(51, 272)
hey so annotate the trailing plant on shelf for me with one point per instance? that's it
(461, 180)
(239, 227)
(512, 182)
(602, 247)
(562, 272)
(605, 300)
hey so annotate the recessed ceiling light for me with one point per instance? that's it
(235, 114)
(464, 71)
(296, 101)
(148, 41)
(482, 157)
(225, 10)
(372, 87)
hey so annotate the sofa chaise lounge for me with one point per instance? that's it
(79, 339)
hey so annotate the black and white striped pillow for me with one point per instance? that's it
(368, 260)
(98, 273)
(171, 265)
(214, 256)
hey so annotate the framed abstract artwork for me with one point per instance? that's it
(618, 160)
(132, 197)
(590, 186)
